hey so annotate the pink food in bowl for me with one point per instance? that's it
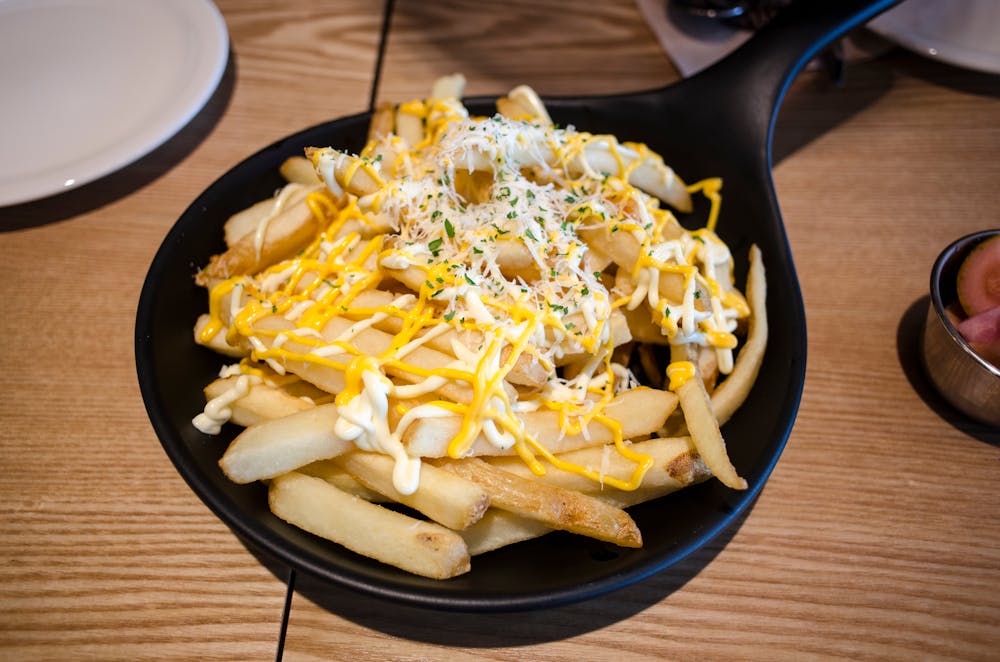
(977, 315)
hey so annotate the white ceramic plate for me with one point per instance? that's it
(960, 32)
(92, 85)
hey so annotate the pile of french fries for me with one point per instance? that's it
(388, 354)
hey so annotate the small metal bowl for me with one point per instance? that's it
(964, 378)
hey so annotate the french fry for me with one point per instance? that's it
(646, 171)
(246, 222)
(285, 234)
(334, 474)
(299, 170)
(555, 507)
(382, 122)
(642, 327)
(513, 257)
(261, 403)
(281, 445)
(619, 329)
(732, 392)
(671, 465)
(218, 341)
(448, 87)
(367, 341)
(343, 172)
(703, 427)
(623, 249)
(499, 528)
(523, 102)
(639, 411)
(443, 496)
(677, 466)
(698, 471)
(423, 548)
(409, 127)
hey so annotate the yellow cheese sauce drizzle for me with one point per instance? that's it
(678, 373)
(281, 314)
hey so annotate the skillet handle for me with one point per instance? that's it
(762, 69)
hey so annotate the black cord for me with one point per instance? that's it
(382, 40)
(284, 616)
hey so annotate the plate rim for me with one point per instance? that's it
(211, 35)
(895, 26)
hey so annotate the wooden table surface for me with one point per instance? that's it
(878, 535)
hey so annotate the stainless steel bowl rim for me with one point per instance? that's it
(939, 306)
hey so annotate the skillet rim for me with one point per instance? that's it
(250, 531)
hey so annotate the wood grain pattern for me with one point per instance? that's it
(539, 43)
(877, 537)
(105, 553)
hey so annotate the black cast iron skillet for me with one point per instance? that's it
(717, 123)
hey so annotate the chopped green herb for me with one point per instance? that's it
(449, 229)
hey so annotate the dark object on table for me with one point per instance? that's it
(716, 123)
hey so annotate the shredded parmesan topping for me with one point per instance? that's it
(486, 242)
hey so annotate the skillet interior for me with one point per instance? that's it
(681, 123)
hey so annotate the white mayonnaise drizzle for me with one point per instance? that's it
(217, 410)
(365, 421)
